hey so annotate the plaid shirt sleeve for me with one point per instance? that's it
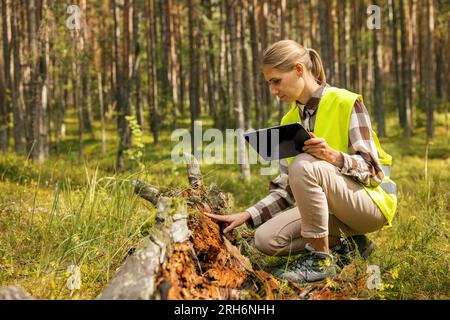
(361, 162)
(280, 198)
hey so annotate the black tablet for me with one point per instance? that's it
(278, 142)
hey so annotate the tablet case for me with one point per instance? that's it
(278, 142)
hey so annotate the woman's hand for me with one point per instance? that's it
(233, 220)
(319, 148)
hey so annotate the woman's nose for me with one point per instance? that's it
(273, 91)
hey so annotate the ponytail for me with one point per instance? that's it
(317, 69)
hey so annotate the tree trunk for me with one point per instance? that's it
(163, 74)
(181, 75)
(257, 83)
(420, 54)
(173, 63)
(378, 93)
(429, 83)
(404, 69)
(245, 72)
(194, 71)
(237, 100)
(412, 70)
(222, 80)
(88, 117)
(394, 47)
(3, 111)
(39, 50)
(136, 75)
(102, 111)
(263, 13)
(119, 82)
(342, 17)
(354, 46)
(16, 85)
(281, 13)
(326, 46)
(153, 88)
(77, 93)
(211, 70)
(313, 22)
(5, 77)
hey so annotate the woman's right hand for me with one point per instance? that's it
(233, 220)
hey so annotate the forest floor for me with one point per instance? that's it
(64, 213)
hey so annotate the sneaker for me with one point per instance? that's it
(346, 250)
(314, 266)
(364, 245)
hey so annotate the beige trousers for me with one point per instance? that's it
(328, 203)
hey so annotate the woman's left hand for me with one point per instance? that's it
(319, 148)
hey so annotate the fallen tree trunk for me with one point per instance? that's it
(184, 255)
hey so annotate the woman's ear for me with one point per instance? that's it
(299, 69)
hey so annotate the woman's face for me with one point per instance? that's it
(288, 86)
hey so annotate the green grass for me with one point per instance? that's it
(64, 212)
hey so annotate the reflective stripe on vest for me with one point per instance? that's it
(386, 170)
(389, 186)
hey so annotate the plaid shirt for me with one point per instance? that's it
(361, 163)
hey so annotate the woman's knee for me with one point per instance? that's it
(266, 242)
(301, 166)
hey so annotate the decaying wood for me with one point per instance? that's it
(194, 173)
(184, 255)
(137, 278)
(146, 191)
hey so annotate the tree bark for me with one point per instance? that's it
(153, 88)
(136, 75)
(255, 63)
(237, 100)
(194, 71)
(16, 85)
(245, 72)
(3, 111)
(173, 62)
(281, 13)
(5, 77)
(163, 75)
(342, 20)
(211, 70)
(263, 32)
(404, 97)
(181, 74)
(429, 83)
(39, 50)
(378, 93)
(102, 111)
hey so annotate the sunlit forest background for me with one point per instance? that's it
(90, 92)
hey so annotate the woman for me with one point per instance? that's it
(338, 187)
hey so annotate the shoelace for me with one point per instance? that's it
(308, 262)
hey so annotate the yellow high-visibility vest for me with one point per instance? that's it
(332, 124)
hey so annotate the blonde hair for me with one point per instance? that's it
(285, 54)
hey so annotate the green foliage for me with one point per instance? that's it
(135, 152)
(64, 212)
